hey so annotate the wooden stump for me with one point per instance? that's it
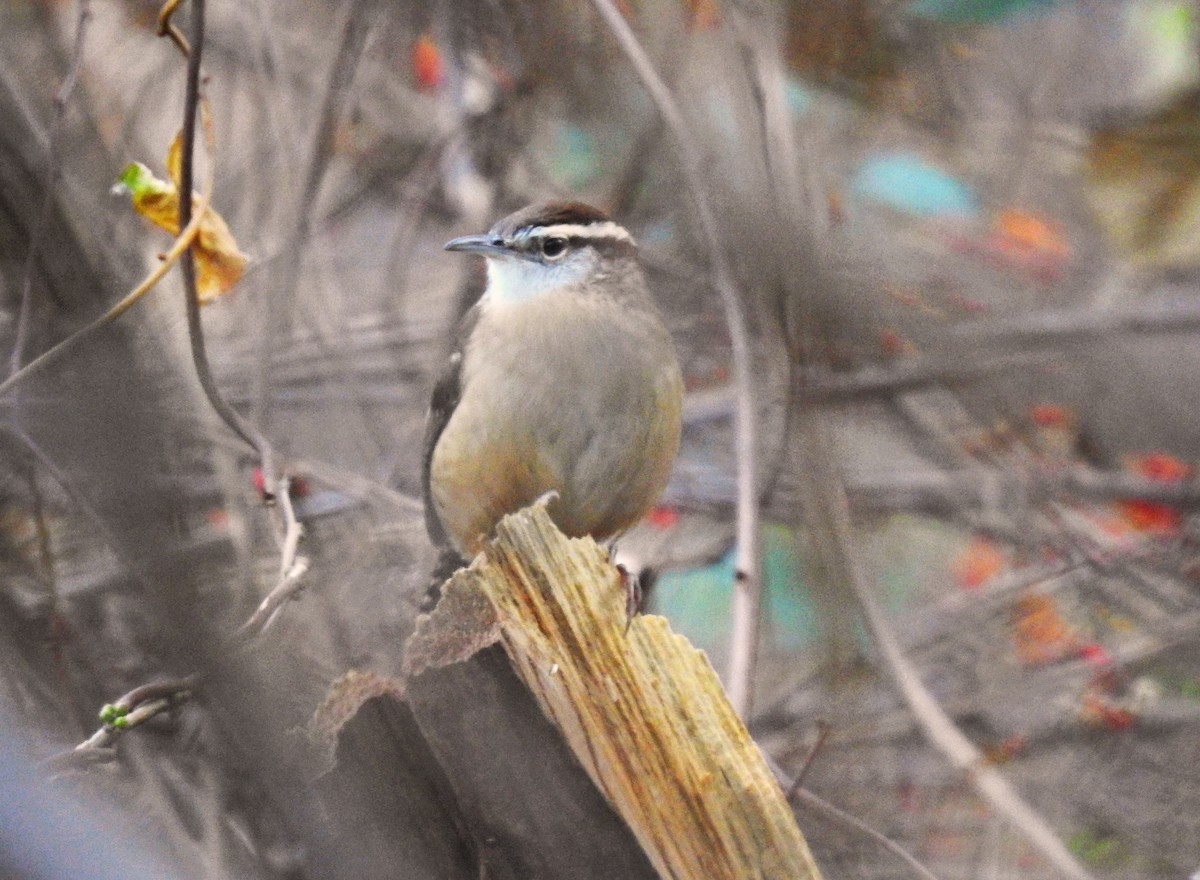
(642, 769)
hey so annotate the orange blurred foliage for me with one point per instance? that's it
(978, 563)
(1050, 415)
(1153, 516)
(427, 63)
(1025, 232)
(1041, 633)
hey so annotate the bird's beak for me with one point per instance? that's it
(487, 245)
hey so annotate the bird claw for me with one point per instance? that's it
(545, 498)
(633, 594)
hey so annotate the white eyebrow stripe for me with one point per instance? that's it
(606, 229)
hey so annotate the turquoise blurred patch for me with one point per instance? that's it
(913, 549)
(697, 601)
(661, 232)
(907, 182)
(575, 158)
(978, 11)
(799, 97)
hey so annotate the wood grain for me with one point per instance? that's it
(641, 709)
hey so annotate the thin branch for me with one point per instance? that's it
(187, 263)
(356, 28)
(747, 599)
(132, 710)
(289, 585)
(982, 487)
(821, 385)
(54, 155)
(806, 797)
(360, 487)
(937, 725)
(796, 792)
(292, 530)
(54, 354)
(166, 28)
(796, 197)
(143, 712)
(292, 568)
(1172, 314)
(941, 729)
(800, 194)
(823, 729)
(333, 104)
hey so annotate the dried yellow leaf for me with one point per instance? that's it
(219, 262)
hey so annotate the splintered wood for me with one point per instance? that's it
(642, 710)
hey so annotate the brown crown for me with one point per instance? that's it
(548, 214)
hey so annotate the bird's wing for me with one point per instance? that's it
(446, 394)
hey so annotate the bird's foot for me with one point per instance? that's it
(545, 498)
(633, 594)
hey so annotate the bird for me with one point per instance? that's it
(564, 385)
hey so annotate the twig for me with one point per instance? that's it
(133, 709)
(822, 734)
(292, 530)
(747, 597)
(357, 27)
(941, 730)
(937, 725)
(1176, 314)
(147, 701)
(190, 222)
(412, 203)
(803, 795)
(333, 105)
(25, 317)
(291, 567)
(51, 355)
(820, 385)
(187, 264)
(978, 487)
(801, 212)
(796, 792)
(359, 486)
(166, 28)
(798, 194)
(623, 192)
(289, 585)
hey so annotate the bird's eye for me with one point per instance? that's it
(553, 248)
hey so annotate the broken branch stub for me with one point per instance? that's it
(640, 708)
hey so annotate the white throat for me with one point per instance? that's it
(514, 280)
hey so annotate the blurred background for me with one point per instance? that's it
(967, 237)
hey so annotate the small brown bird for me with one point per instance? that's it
(564, 379)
